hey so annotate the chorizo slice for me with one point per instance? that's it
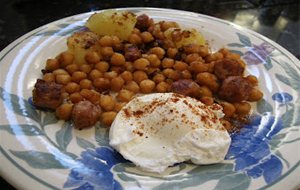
(228, 67)
(235, 89)
(186, 87)
(47, 94)
(85, 114)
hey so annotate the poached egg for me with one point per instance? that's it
(156, 131)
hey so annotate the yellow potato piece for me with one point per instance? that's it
(110, 22)
(80, 43)
(187, 36)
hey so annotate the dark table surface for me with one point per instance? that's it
(275, 19)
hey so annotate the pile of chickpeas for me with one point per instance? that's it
(115, 71)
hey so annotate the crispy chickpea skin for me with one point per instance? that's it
(209, 80)
(147, 86)
(125, 95)
(139, 76)
(117, 59)
(117, 84)
(228, 109)
(235, 89)
(107, 102)
(108, 117)
(64, 111)
(102, 84)
(132, 86)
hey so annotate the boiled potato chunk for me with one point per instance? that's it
(80, 43)
(110, 22)
(184, 37)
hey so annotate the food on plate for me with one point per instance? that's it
(160, 129)
(120, 56)
(110, 22)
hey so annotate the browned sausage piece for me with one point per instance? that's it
(47, 94)
(186, 87)
(142, 22)
(85, 114)
(235, 89)
(228, 67)
(132, 53)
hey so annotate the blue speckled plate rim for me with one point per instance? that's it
(21, 39)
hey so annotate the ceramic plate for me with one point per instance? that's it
(40, 152)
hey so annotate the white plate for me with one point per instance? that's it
(39, 152)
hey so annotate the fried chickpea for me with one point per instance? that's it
(162, 87)
(127, 76)
(171, 74)
(66, 58)
(75, 97)
(193, 57)
(85, 68)
(198, 67)
(124, 95)
(86, 84)
(180, 66)
(232, 55)
(106, 41)
(107, 51)
(207, 100)
(49, 77)
(77, 76)
(242, 108)
(117, 59)
(60, 72)
(136, 31)
(132, 86)
(139, 76)
(119, 106)
(64, 95)
(63, 79)
(160, 52)
(159, 78)
(213, 57)
(72, 87)
(209, 80)
(186, 74)
(64, 111)
(147, 86)
(205, 91)
(116, 40)
(102, 66)
(172, 52)
(252, 79)
(110, 75)
(107, 118)
(154, 60)
(147, 37)
(141, 64)
(255, 95)
(107, 102)
(52, 64)
(95, 73)
(135, 39)
(101, 84)
(92, 57)
(117, 84)
(117, 69)
(72, 68)
(91, 95)
(165, 25)
(129, 66)
(167, 63)
(228, 109)
(203, 51)
(227, 125)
